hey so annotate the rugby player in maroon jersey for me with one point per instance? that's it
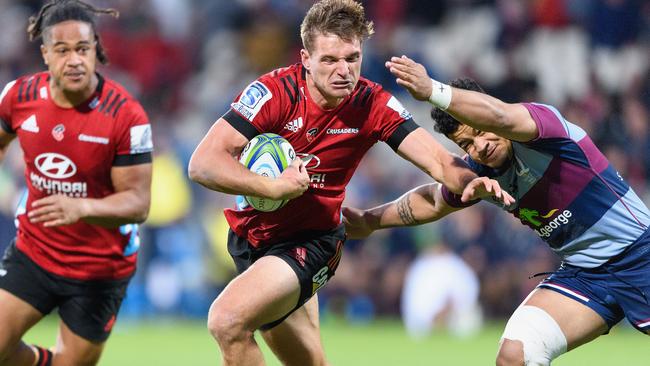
(87, 150)
(566, 191)
(331, 116)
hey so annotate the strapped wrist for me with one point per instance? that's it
(440, 95)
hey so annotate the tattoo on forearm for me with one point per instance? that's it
(405, 211)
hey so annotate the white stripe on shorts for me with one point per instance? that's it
(565, 290)
(643, 324)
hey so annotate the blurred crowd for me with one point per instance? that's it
(185, 60)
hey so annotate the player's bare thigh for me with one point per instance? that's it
(297, 341)
(72, 349)
(265, 292)
(579, 323)
(16, 317)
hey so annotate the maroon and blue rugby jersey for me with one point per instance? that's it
(568, 192)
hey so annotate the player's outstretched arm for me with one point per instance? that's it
(129, 204)
(422, 149)
(477, 110)
(214, 164)
(5, 140)
(418, 206)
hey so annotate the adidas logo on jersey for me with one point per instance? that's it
(30, 124)
(294, 125)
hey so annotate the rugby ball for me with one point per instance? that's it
(267, 154)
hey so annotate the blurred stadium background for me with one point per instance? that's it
(185, 60)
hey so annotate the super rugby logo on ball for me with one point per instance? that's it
(269, 155)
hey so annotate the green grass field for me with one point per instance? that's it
(167, 343)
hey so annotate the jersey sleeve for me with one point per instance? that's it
(134, 140)
(5, 108)
(393, 121)
(256, 109)
(549, 121)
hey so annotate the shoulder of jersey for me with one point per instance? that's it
(287, 81)
(365, 91)
(112, 99)
(29, 88)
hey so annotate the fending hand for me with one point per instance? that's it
(485, 187)
(356, 226)
(412, 76)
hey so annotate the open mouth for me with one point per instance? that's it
(490, 153)
(76, 76)
(342, 84)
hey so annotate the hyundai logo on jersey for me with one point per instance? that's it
(55, 165)
(310, 161)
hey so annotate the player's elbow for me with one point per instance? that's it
(141, 213)
(206, 174)
(141, 216)
(198, 170)
(194, 172)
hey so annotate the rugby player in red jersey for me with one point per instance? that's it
(87, 150)
(331, 116)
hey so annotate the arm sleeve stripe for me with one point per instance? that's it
(454, 200)
(401, 132)
(132, 159)
(5, 126)
(241, 124)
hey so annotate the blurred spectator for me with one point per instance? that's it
(441, 291)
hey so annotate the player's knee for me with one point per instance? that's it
(4, 355)
(85, 360)
(227, 325)
(314, 357)
(511, 353)
(7, 348)
(78, 356)
(540, 337)
(318, 357)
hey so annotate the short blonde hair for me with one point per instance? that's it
(344, 18)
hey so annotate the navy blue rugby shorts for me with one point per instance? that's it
(618, 289)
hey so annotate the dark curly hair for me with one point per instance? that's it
(58, 11)
(443, 122)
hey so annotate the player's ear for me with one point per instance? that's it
(44, 53)
(305, 59)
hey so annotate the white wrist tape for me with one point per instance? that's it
(440, 95)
